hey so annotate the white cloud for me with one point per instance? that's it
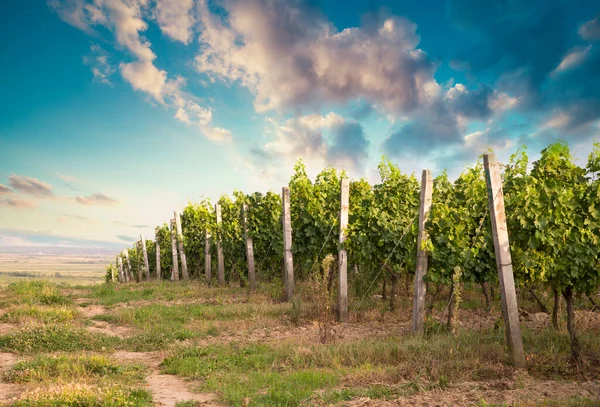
(96, 199)
(572, 59)
(175, 18)
(125, 19)
(98, 59)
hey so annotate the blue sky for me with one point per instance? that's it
(116, 112)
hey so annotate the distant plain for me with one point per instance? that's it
(72, 269)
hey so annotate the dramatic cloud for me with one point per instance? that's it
(320, 141)
(32, 186)
(96, 199)
(290, 56)
(16, 202)
(590, 31)
(430, 129)
(175, 18)
(97, 59)
(4, 189)
(125, 20)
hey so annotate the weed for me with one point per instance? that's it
(52, 338)
(70, 367)
(74, 395)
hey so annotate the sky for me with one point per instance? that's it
(114, 113)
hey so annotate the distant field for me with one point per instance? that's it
(70, 269)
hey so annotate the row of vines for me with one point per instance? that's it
(552, 208)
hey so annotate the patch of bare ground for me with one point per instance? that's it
(110, 329)
(92, 310)
(523, 392)
(7, 328)
(167, 390)
(8, 390)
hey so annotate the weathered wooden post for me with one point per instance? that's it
(419, 293)
(122, 278)
(508, 295)
(342, 254)
(249, 251)
(220, 259)
(184, 269)
(129, 269)
(146, 263)
(175, 269)
(157, 247)
(207, 265)
(288, 262)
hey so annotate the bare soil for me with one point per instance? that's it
(8, 391)
(167, 390)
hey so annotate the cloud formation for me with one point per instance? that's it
(590, 31)
(125, 19)
(31, 186)
(16, 202)
(125, 224)
(126, 238)
(290, 56)
(175, 19)
(97, 59)
(4, 189)
(96, 199)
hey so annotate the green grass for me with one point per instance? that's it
(65, 368)
(159, 314)
(40, 313)
(35, 292)
(54, 338)
(72, 395)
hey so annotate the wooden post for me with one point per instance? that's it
(418, 316)
(342, 255)
(157, 247)
(288, 261)
(207, 265)
(122, 278)
(129, 270)
(508, 295)
(146, 263)
(175, 269)
(249, 251)
(220, 260)
(184, 269)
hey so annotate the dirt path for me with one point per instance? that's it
(167, 390)
(8, 390)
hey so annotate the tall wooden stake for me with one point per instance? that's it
(288, 261)
(129, 270)
(342, 255)
(207, 265)
(146, 263)
(122, 278)
(220, 259)
(184, 269)
(175, 269)
(510, 309)
(157, 247)
(249, 251)
(419, 293)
